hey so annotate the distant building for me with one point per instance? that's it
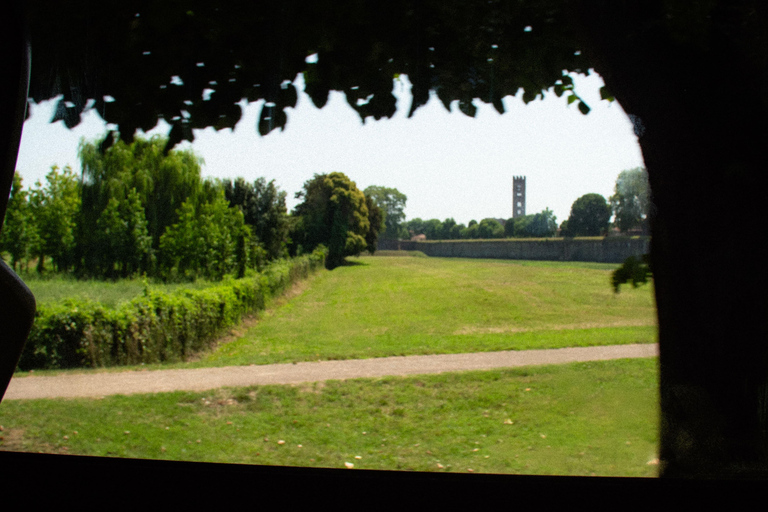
(518, 196)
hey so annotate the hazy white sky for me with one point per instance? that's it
(449, 165)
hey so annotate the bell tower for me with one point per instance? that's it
(518, 196)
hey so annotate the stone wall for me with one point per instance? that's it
(605, 250)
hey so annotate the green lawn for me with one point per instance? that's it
(54, 288)
(597, 418)
(384, 306)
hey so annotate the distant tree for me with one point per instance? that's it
(456, 231)
(54, 208)
(543, 224)
(263, 207)
(630, 202)
(490, 228)
(517, 227)
(590, 215)
(18, 233)
(433, 229)
(470, 231)
(392, 204)
(376, 223)
(333, 213)
(509, 227)
(538, 225)
(415, 226)
(447, 229)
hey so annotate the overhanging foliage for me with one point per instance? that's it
(192, 62)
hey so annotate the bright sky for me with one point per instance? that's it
(449, 165)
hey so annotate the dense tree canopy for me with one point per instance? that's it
(162, 182)
(209, 240)
(375, 223)
(590, 215)
(198, 59)
(54, 207)
(631, 200)
(333, 213)
(18, 234)
(392, 204)
(264, 210)
(490, 228)
(537, 225)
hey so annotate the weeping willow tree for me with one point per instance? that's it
(131, 193)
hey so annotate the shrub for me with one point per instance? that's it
(157, 326)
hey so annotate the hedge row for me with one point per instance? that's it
(155, 327)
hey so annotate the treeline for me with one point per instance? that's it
(539, 225)
(590, 215)
(134, 210)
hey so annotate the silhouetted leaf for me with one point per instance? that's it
(271, 118)
(108, 141)
(468, 108)
(174, 137)
(498, 104)
(605, 94)
(288, 96)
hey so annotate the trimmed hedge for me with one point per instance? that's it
(155, 327)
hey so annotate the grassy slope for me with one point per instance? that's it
(384, 306)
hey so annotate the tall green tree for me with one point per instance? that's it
(590, 216)
(631, 200)
(18, 231)
(209, 241)
(376, 224)
(54, 207)
(264, 209)
(332, 213)
(123, 246)
(161, 182)
(392, 203)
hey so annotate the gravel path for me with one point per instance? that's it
(131, 382)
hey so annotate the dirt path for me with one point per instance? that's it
(131, 382)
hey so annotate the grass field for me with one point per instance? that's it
(596, 418)
(578, 419)
(384, 306)
(53, 288)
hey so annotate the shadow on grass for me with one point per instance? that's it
(347, 263)
(354, 263)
